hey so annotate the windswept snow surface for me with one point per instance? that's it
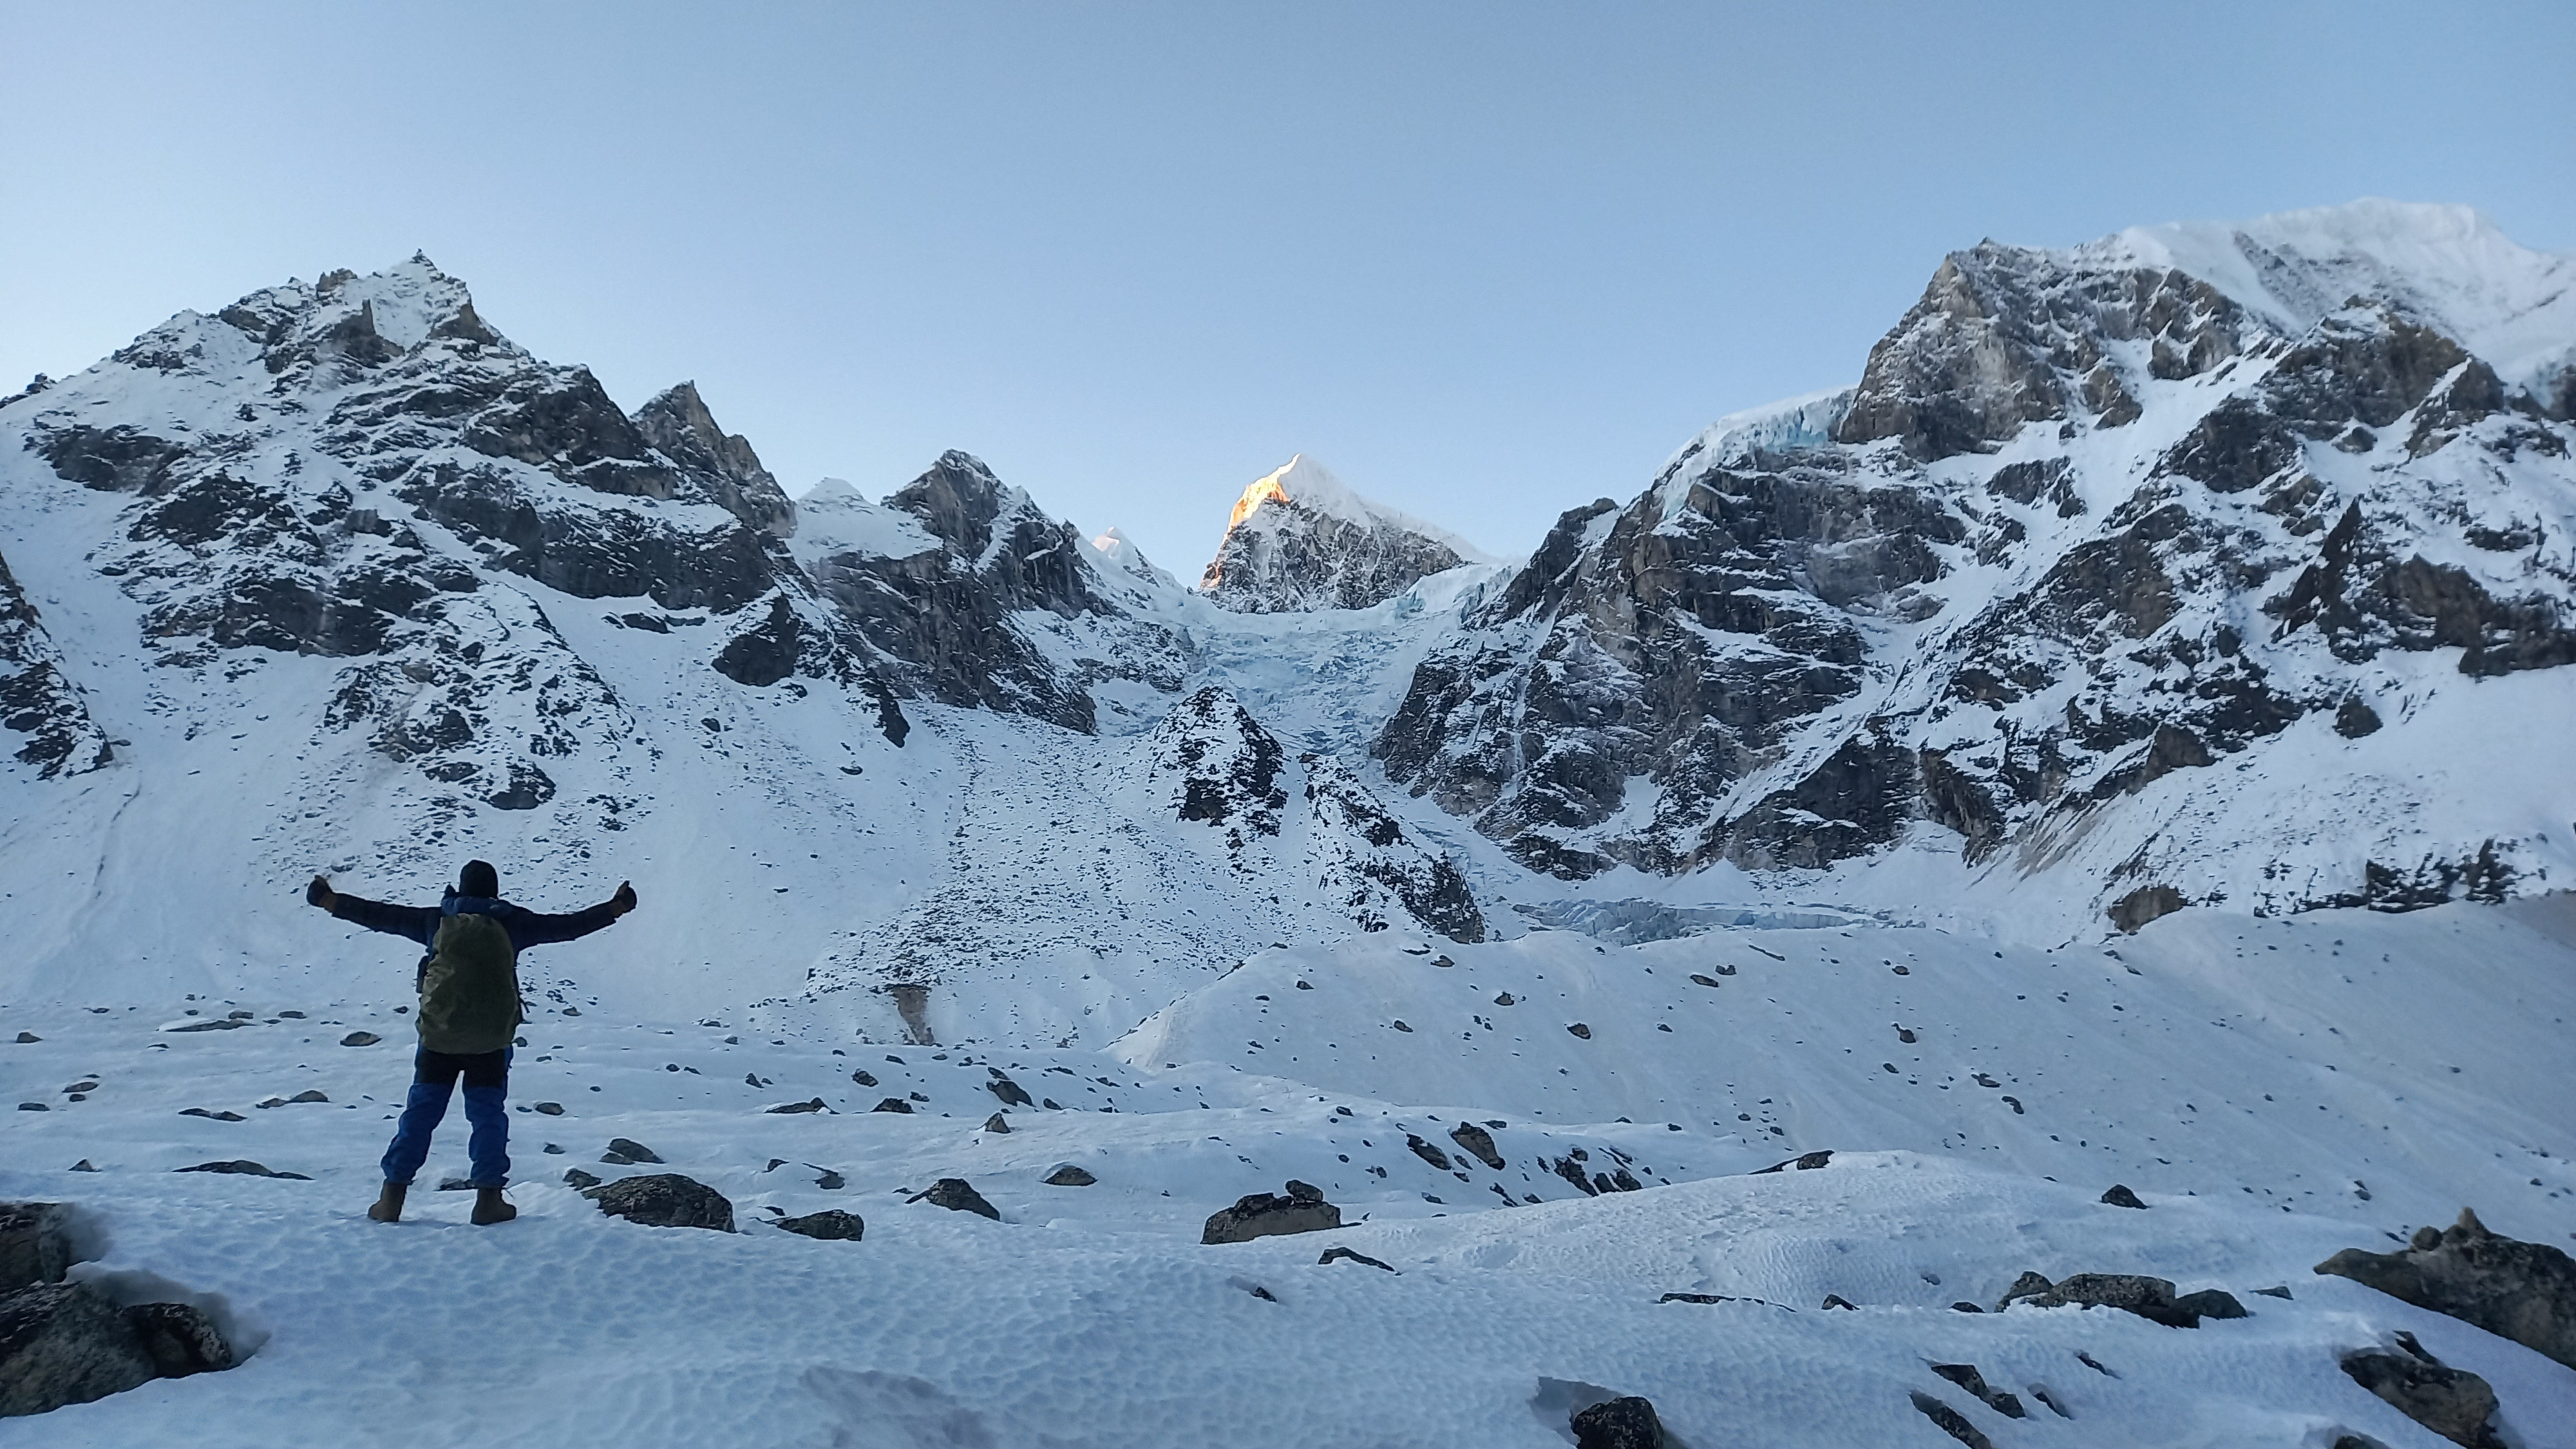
(2296, 1055)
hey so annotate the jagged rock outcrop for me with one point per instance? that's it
(1224, 768)
(65, 1342)
(1216, 765)
(1377, 873)
(2513, 1289)
(1299, 540)
(2454, 1403)
(37, 700)
(678, 424)
(946, 611)
(2006, 336)
(1683, 639)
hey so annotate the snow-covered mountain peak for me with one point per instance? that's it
(2451, 265)
(834, 517)
(1299, 540)
(1303, 483)
(1119, 554)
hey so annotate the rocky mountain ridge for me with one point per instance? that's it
(338, 577)
(2112, 586)
(2085, 525)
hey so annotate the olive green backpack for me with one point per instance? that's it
(469, 993)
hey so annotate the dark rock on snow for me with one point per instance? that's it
(831, 1225)
(2454, 1403)
(1621, 1423)
(2210, 1303)
(2120, 1196)
(2149, 1298)
(664, 1200)
(957, 1195)
(179, 1339)
(35, 1244)
(1966, 1376)
(243, 1167)
(1951, 1421)
(2028, 1285)
(1262, 1215)
(65, 1343)
(630, 1150)
(1477, 1142)
(1068, 1175)
(2513, 1289)
(1351, 1255)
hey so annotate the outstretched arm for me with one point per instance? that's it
(532, 929)
(412, 923)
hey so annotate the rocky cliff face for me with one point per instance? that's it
(2091, 537)
(337, 469)
(1218, 767)
(37, 700)
(1298, 540)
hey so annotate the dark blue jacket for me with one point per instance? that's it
(420, 923)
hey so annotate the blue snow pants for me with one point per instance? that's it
(487, 1089)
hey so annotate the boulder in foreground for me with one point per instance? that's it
(35, 1244)
(2512, 1289)
(2453, 1403)
(957, 1195)
(831, 1225)
(64, 1343)
(179, 1339)
(1263, 1215)
(1622, 1423)
(664, 1200)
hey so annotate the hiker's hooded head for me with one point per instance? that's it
(478, 879)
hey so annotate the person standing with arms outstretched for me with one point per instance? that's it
(469, 1013)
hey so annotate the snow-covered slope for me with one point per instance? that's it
(2238, 1088)
(1298, 539)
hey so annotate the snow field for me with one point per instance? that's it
(2288, 1063)
(1093, 1316)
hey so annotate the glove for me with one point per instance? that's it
(320, 893)
(624, 900)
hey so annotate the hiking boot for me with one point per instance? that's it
(388, 1208)
(490, 1207)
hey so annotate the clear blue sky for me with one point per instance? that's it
(1485, 260)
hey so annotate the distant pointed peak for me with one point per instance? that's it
(1305, 484)
(1118, 551)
